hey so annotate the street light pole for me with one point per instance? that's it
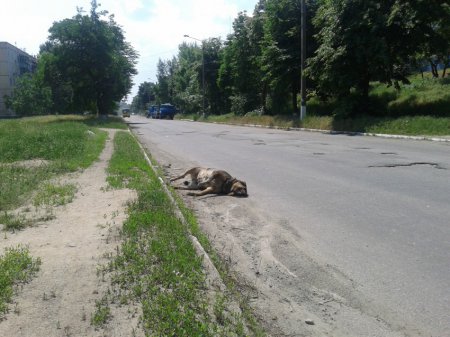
(203, 71)
(303, 57)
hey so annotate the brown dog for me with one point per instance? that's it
(212, 181)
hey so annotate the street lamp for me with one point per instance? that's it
(203, 71)
(303, 56)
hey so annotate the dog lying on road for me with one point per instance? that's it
(212, 181)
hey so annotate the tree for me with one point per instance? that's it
(162, 74)
(212, 49)
(92, 55)
(239, 71)
(363, 41)
(146, 96)
(30, 96)
(281, 50)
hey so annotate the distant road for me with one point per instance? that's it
(373, 211)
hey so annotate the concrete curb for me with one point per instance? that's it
(213, 276)
(445, 139)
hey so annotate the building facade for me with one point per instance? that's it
(14, 62)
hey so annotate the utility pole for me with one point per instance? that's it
(303, 57)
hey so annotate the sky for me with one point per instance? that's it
(155, 28)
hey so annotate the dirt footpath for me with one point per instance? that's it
(61, 299)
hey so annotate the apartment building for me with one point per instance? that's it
(14, 62)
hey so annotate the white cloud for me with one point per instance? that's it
(155, 28)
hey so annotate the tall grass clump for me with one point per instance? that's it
(16, 266)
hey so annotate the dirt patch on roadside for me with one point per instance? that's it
(61, 299)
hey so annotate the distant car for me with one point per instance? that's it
(125, 113)
(164, 111)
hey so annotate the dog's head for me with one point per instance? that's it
(239, 188)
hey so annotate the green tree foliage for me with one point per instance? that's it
(163, 76)
(31, 96)
(212, 49)
(187, 78)
(92, 59)
(239, 73)
(281, 53)
(350, 44)
(146, 96)
(362, 41)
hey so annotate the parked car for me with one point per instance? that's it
(125, 113)
(164, 111)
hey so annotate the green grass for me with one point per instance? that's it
(420, 108)
(157, 265)
(12, 222)
(407, 125)
(425, 96)
(102, 313)
(16, 266)
(65, 143)
(54, 194)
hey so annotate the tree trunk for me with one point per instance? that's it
(264, 98)
(446, 64)
(102, 107)
(294, 102)
(434, 70)
(295, 89)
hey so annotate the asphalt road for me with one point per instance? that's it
(375, 210)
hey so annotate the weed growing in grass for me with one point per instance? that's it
(13, 223)
(102, 313)
(54, 195)
(16, 266)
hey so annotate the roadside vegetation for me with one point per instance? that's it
(16, 267)
(35, 151)
(363, 69)
(157, 265)
(419, 108)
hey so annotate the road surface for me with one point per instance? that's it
(350, 232)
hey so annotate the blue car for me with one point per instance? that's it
(164, 111)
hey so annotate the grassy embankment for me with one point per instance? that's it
(421, 108)
(157, 265)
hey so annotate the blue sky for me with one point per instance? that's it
(155, 28)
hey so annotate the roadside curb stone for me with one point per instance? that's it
(444, 139)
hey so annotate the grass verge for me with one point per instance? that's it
(157, 265)
(407, 125)
(16, 266)
(420, 108)
(36, 149)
